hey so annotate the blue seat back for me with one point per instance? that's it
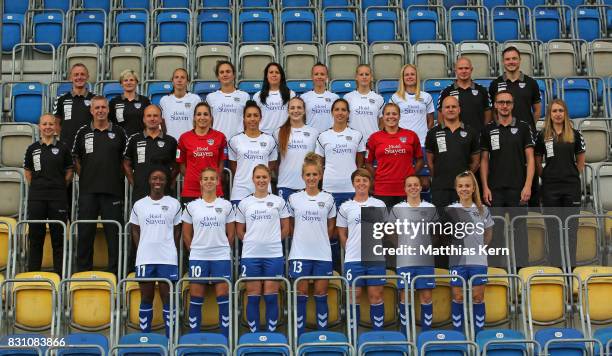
(490, 4)
(296, 3)
(63, 5)
(547, 24)
(97, 4)
(448, 3)
(383, 350)
(573, 3)
(386, 88)
(328, 3)
(339, 25)
(464, 25)
(577, 94)
(89, 28)
(203, 88)
(48, 28)
(422, 25)
(367, 3)
(16, 6)
(604, 335)
(406, 3)
(4, 341)
(442, 349)
(587, 23)
(263, 338)
(298, 25)
(533, 3)
(380, 25)
(84, 339)
(300, 86)
(542, 336)
(215, 25)
(156, 90)
(256, 3)
(492, 335)
(132, 27)
(256, 26)
(250, 86)
(173, 26)
(434, 87)
(142, 339)
(321, 338)
(506, 25)
(28, 99)
(136, 4)
(12, 25)
(200, 339)
(111, 90)
(175, 3)
(342, 87)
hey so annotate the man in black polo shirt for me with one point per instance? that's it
(98, 152)
(146, 149)
(72, 109)
(452, 148)
(473, 98)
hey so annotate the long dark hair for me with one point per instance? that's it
(283, 88)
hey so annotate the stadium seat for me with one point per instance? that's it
(440, 337)
(255, 3)
(300, 86)
(547, 24)
(597, 137)
(111, 89)
(381, 25)
(496, 297)
(561, 348)
(422, 24)
(605, 336)
(386, 60)
(210, 308)
(386, 88)
(463, 25)
(76, 339)
(132, 291)
(342, 87)
(206, 58)
(434, 87)
(27, 102)
(252, 60)
(4, 341)
(546, 293)
(499, 349)
(298, 60)
(298, 25)
(90, 56)
(131, 27)
(529, 63)
(334, 3)
(97, 4)
(340, 25)
(173, 26)
(203, 88)
(175, 3)
(560, 59)
(506, 24)
(126, 57)
(579, 96)
(16, 7)
(12, 191)
(480, 54)
(588, 242)
(12, 31)
(89, 27)
(441, 300)
(158, 345)
(596, 291)
(432, 60)
(138, 4)
(317, 341)
(33, 307)
(395, 343)
(342, 59)
(250, 86)
(48, 27)
(201, 344)
(295, 3)
(587, 23)
(603, 177)
(156, 90)
(14, 140)
(6, 223)
(256, 26)
(600, 59)
(166, 58)
(215, 26)
(90, 301)
(262, 340)
(63, 5)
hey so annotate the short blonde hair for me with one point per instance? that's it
(126, 73)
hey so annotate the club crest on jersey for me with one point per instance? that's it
(474, 92)
(210, 141)
(187, 105)
(514, 130)
(55, 150)
(165, 207)
(263, 144)
(111, 135)
(218, 210)
(372, 101)
(306, 134)
(87, 102)
(463, 134)
(269, 204)
(236, 99)
(522, 85)
(328, 100)
(161, 144)
(137, 105)
(321, 204)
(403, 139)
(349, 138)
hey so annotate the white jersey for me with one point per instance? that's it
(301, 141)
(227, 110)
(339, 150)
(365, 112)
(209, 222)
(318, 109)
(263, 231)
(156, 219)
(349, 216)
(178, 113)
(472, 240)
(310, 235)
(413, 113)
(249, 152)
(273, 112)
(419, 238)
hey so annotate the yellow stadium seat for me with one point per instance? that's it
(100, 257)
(546, 296)
(133, 301)
(4, 242)
(390, 300)
(91, 301)
(335, 300)
(441, 299)
(496, 297)
(586, 251)
(47, 260)
(33, 300)
(599, 292)
(210, 308)
(536, 232)
(282, 296)
(609, 226)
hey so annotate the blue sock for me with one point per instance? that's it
(403, 318)
(224, 320)
(195, 314)
(377, 315)
(457, 315)
(271, 311)
(426, 316)
(301, 313)
(479, 317)
(167, 317)
(252, 312)
(322, 311)
(145, 317)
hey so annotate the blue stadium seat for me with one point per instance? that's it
(422, 25)
(298, 25)
(339, 25)
(256, 3)
(202, 339)
(448, 3)
(256, 26)
(250, 86)
(383, 350)
(381, 25)
(561, 349)
(578, 96)
(142, 339)
(334, 3)
(173, 26)
(132, 27)
(65, 87)
(506, 25)
(89, 27)
(320, 338)
(156, 90)
(48, 29)
(16, 7)
(587, 24)
(216, 3)
(533, 3)
(547, 24)
(604, 335)
(463, 25)
(263, 338)
(573, 3)
(434, 87)
(543, 94)
(111, 90)
(203, 88)
(175, 3)
(300, 86)
(63, 5)
(342, 87)
(296, 3)
(386, 88)
(367, 3)
(441, 349)
(136, 4)
(215, 25)
(483, 81)
(27, 102)
(490, 4)
(97, 4)
(406, 3)
(21, 352)
(84, 339)
(12, 31)
(500, 349)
